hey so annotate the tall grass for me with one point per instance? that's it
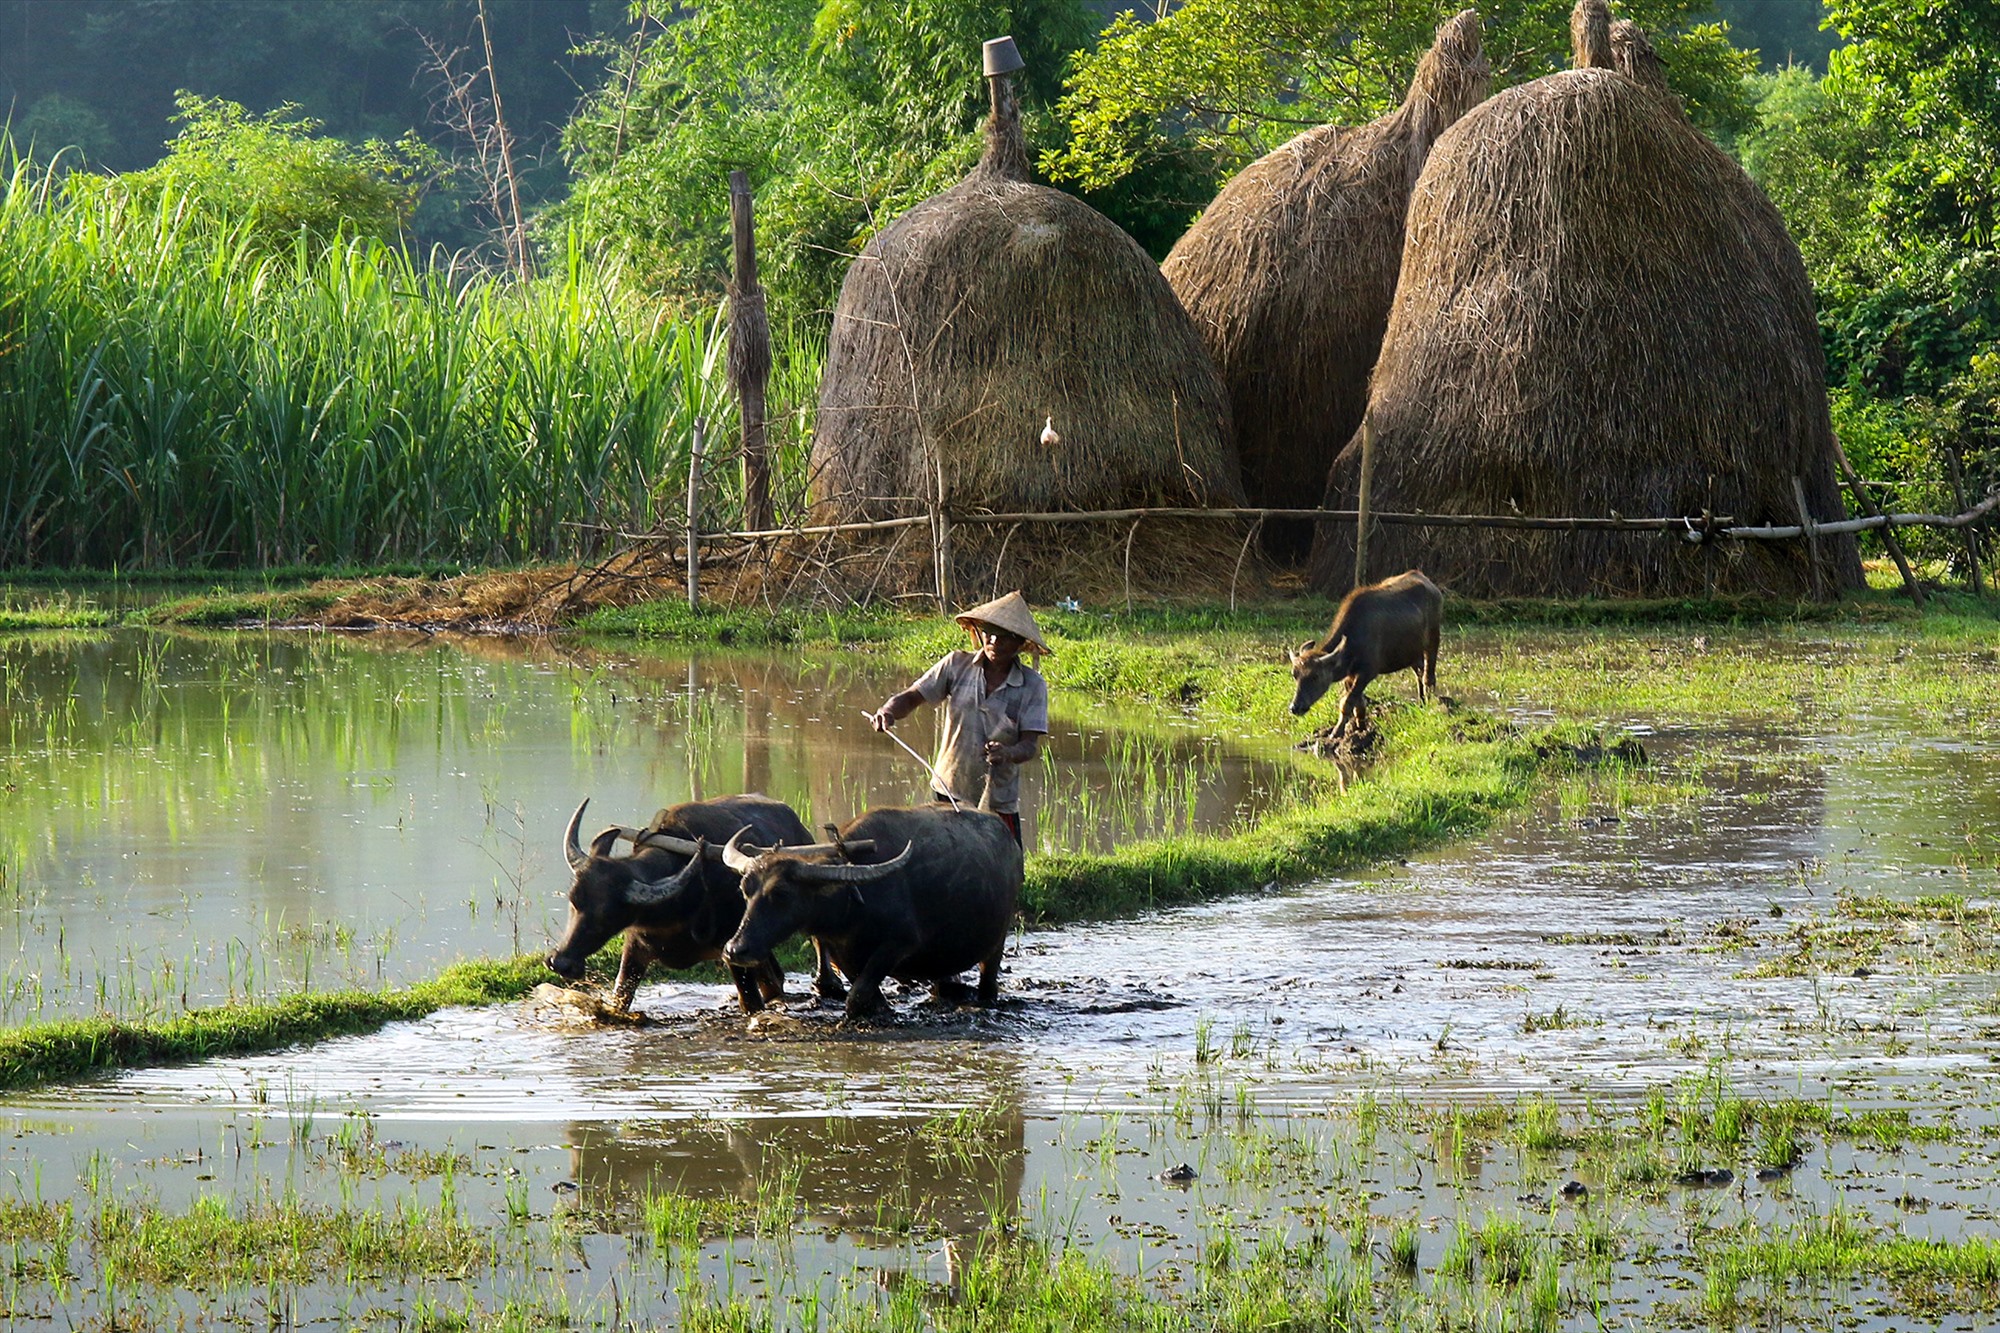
(171, 396)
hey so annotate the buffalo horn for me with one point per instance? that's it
(655, 892)
(813, 871)
(572, 850)
(733, 855)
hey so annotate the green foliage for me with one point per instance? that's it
(1928, 76)
(1885, 172)
(277, 177)
(1232, 79)
(172, 396)
(843, 113)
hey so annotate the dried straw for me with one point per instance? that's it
(987, 309)
(1590, 35)
(1597, 313)
(1632, 55)
(1289, 274)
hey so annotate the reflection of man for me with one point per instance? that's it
(996, 709)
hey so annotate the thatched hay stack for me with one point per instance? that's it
(1632, 55)
(1590, 35)
(1290, 272)
(995, 308)
(1597, 312)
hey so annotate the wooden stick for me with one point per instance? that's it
(694, 516)
(749, 354)
(1002, 556)
(1868, 507)
(1812, 535)
(1255, 528)
(1971, 545)
(1128, 562)
(1362, 501)
(1725, 526)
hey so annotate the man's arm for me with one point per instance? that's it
(898, 707)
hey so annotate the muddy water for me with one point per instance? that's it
(190, 818)
(1584, 952)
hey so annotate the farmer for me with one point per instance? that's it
(996, 708)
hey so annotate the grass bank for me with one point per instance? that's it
(72, 1048)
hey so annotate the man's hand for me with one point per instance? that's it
(999, 752)
(882, 718)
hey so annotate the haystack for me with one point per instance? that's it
(1289, 274)
(1597, 313)
(993, 312)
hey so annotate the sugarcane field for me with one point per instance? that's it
(1311, 665)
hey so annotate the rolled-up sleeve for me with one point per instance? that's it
(936, 683)
(1035, 704)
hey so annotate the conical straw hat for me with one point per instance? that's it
(1011, 614)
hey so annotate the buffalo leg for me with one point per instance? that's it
(632, 965)
(1353, 706)
(989, 977)
(1429, 680)
(865, 1000)
(746, 986)
(826, 982)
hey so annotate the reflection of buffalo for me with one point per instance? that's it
(677, 903)
(932, 895)
(855, 1175)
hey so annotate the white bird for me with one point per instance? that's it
(1049, 436)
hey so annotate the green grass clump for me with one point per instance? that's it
(215, 1243)
(46, 616)
(41, 1052)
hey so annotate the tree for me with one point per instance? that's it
(1232, 79)
(1927, 75)
(278, 175)
(843, 112)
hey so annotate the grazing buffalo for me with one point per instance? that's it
(676, 901)
(1384, 627)
(934, 896)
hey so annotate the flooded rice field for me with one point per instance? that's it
(1721, 1061)
(259, 813)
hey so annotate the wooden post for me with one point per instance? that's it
(1971, 542)
(749, 356)
(941, 542)
(1869, 509)
(1364, 501)
(694, 515)
(1811, 529)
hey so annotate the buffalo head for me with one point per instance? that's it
(1316, 669)
(607, 893)
(789, 890)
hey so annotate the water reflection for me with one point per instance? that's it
(190, 818)
(868, 1177)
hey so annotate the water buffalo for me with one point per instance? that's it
(1384, 627)
(932, 897)
(673, 897)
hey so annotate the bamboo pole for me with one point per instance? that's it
(1725, 526)
(1363, 500)
(1966, 532)
(694, 516)
(1869, 507)
(749, 354)
(1811, 530)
